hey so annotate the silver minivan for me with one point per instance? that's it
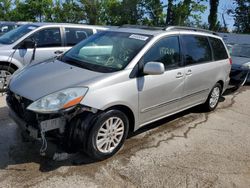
(36, 42)
(116, 82)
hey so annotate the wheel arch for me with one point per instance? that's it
(128, 112)
(221, 83)
(12, 65)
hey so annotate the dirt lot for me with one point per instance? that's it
(191, 149)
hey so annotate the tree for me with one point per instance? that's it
(110, 13)
(212, 18)
(170, 13)
(242, 16)
(68, 11)
(91, 10)
(182, 12)
(154, 11)
(5, 8)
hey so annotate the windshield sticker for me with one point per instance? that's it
(138, 37)
(31, 27)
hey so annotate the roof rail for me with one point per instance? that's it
(141, 27)
(169, 28)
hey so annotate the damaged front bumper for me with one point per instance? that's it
(37, 125)
(43, 127)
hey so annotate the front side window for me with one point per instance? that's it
(50, 37)
(76, 35)
(15, 34)
(197, 49)
(166, 51)
(106, 51)
(219, 50)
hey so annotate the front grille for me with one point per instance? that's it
(19, 105)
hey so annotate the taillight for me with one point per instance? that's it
(230, 61)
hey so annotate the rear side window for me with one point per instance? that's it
(219, 50)
(196, 49)
(76, 35)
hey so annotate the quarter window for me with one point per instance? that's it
(76, 35)
(219, 50)
(48, 38)
(166, 51)
(197, 49)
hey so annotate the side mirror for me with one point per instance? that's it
(28, 43)
(154, 68)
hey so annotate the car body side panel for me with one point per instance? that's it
(115, 90)
(202, 79)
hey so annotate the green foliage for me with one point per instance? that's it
(118, 12)
(5, 9)
(242, 16)
(184, 12)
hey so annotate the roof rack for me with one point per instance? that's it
(169, 28)
(141, 27)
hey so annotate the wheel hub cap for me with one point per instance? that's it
(214, 97)
(110, 135)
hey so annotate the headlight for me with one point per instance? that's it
(246, 65)
(59, 100)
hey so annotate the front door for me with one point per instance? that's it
(160, 95)
(49, 44)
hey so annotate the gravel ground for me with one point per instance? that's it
(191, 149)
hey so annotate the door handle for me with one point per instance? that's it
(189, 72)
(58, 52)
(179, 75)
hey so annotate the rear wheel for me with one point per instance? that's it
(213, 98)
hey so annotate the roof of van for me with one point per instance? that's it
(66, 24)
(154, 31)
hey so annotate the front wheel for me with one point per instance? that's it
(213, 98)
(107, 134)
(5, 74)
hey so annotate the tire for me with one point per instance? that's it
(213, 98)
(9, 71)
(109, 142)
(76, 133)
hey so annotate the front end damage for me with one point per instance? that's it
(43, 127)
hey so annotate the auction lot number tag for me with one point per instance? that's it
(138, 37)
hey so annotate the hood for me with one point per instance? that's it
(239, 60)
(45, 78)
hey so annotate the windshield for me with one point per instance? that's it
(241, 51)
(15, 34)
(106, 51)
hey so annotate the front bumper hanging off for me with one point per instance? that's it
(43, 126)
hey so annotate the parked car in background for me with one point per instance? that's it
(8, 26)
(240, 54)
(37, 42)
(116, 82)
